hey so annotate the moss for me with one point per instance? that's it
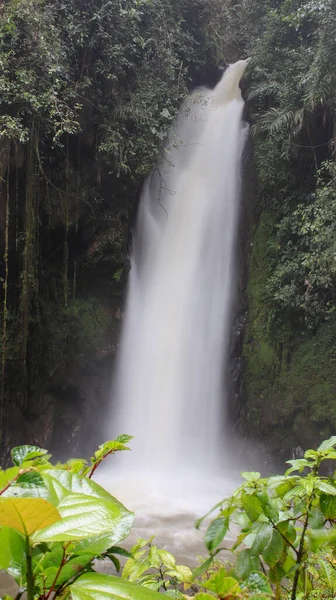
(290, 377)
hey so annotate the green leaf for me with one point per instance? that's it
(97, 545)
(268, 507)
(121, 551)
(262, 539)
(85, 516)
(29, 480)
(287, 530)
(202, 568)
(298, 465)
(325, 487)
(12, 549)
(246, 563)
(110, 447)
(327, 506)
(22, 454)
(316, 518)
(96, 586)
(258, 582)
(7, 476)
(328, 444)
(27, 515)
(277, 573)
(222, 585)
(115, 561)
(216, 532)
(252, 506)
(274, 550)
(202, 596)
(70, 569)
(167, 559)
(251, 475)
(287, 485)
(133, 569)
(60, 484)
(183, 573)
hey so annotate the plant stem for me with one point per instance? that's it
(30, 578)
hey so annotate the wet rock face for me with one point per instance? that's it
(236, 364)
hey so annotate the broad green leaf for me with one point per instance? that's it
(287, 530)
(316, 518)
(216, 532)
(262, 539)
(27, 515)
(184, 573)
(298, 465)
(86, 516)
(97, 545)
(325, 487)
(202, 596)
(328, 444)
(274, 550)
(268, 507)
(22, 454)
(246, 563)
(12, 549)
(154, 558)
(241, 519)
(258, 582)
(60, 484)
(96, 586)
(133, 569)
(252, 506)
(29, 480)
(287, 485)
(328, 506)
(322, 536)
(167, 559)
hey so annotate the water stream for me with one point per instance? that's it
(170, 389)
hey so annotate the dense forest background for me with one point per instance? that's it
(88, 90)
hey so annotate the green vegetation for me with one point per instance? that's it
(288, 348)
(88, 90)
(56, 524)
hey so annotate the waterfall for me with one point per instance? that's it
(170, 391)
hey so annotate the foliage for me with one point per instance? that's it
(293, 110)
(155, 568)
(286, 528)
(55, 522)
(303, 282)
(290, 382)
(88, 91)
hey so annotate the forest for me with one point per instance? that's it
(89, 90)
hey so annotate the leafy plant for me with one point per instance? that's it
(286, 530)
(156, 569)
(55, 522)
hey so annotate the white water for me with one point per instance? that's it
(170, 392)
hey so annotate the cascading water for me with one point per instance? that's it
(169, 385)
